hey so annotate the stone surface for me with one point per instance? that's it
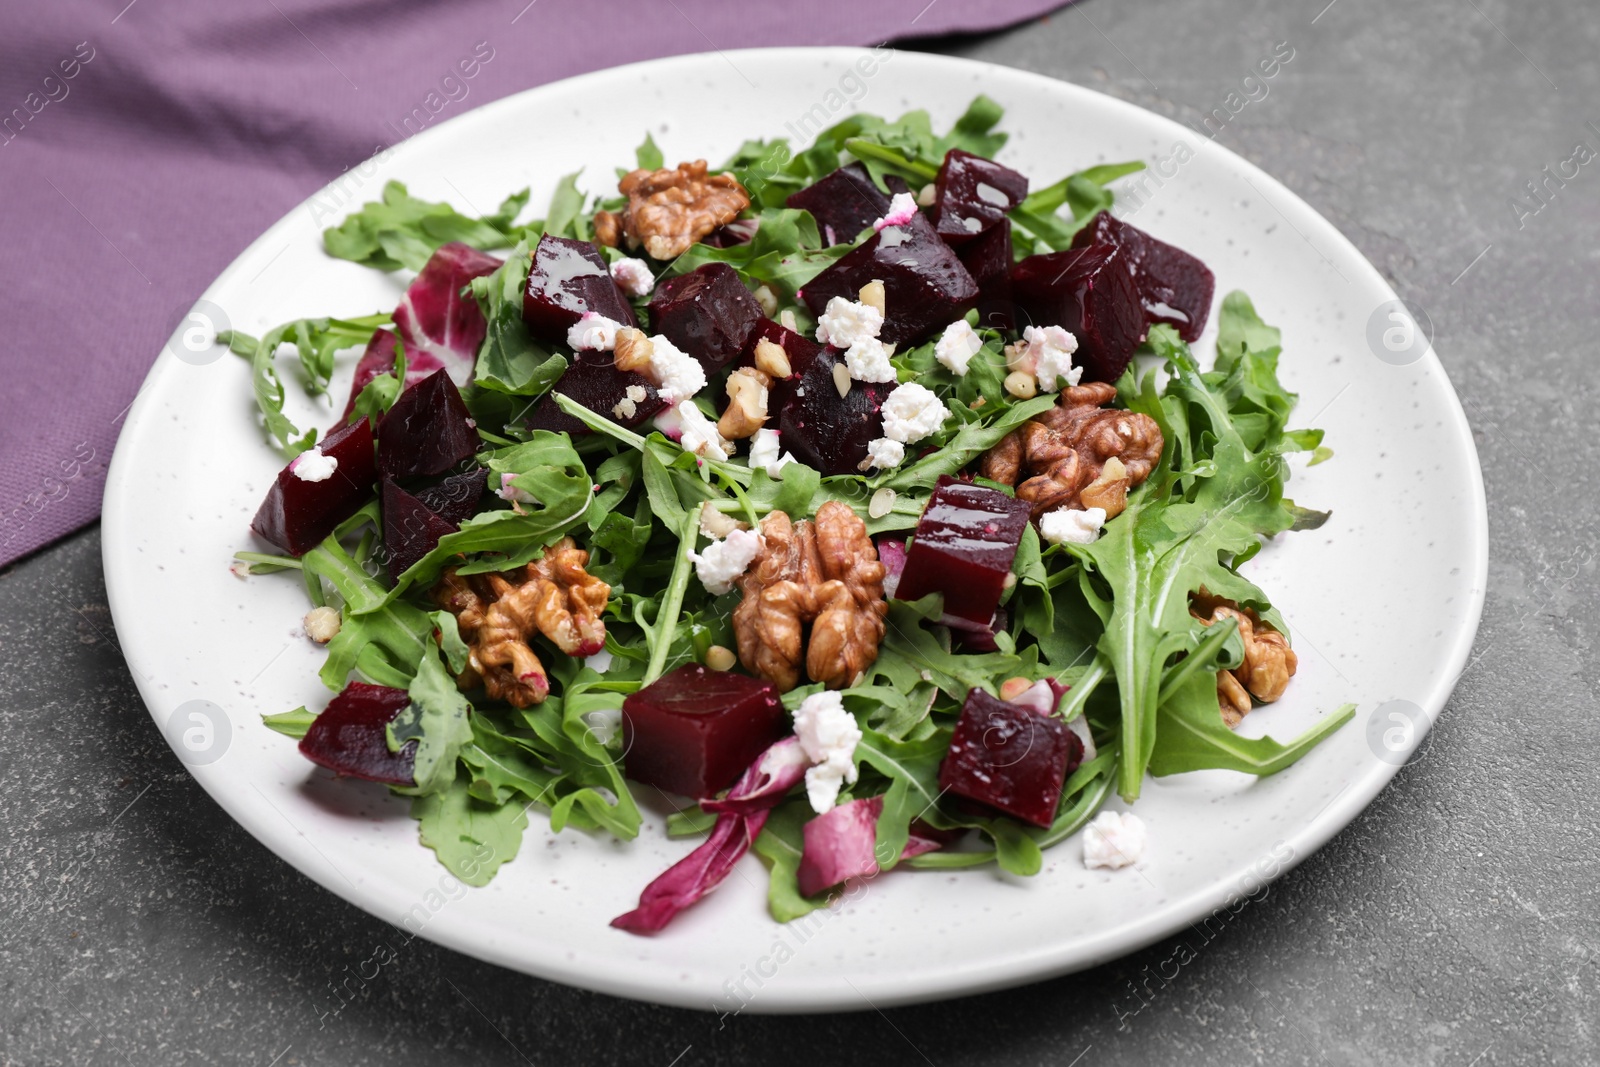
(1456, 922)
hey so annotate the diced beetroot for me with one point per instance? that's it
(988, 259)
(376, 361)
(350, 736)
(428, 430)
(566, 279)
(708, 313)
(1173, 286)
(297, 514)
(440, 326)
(925, 285)
(455, 497)
(694, 730)
(410, 529)
(825, 430)
(963, 548)
(594, 381)
(972, 194)
(800, 350)
(1090, 292)
(1010, 758)
(842, 844)
(845, 202)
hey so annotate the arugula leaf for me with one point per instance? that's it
(290, 723)
(1085, 195)
(437, 719)
(1191, 735)
(781, 844)
(401, 230)
(510, 360)
(647, 156)
(784, 253)
(565, 217)
(472, 838)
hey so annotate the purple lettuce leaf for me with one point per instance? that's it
(440, 326)
(695, 875)
(841, 845)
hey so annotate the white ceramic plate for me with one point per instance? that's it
(1406, 545)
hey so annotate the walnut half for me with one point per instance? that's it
(1268, 664)
(670, 209)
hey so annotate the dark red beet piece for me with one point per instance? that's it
(708, 313)
(1010, 758)
(1173, 286)
(845, 202)
(566, 279)
(410, 529)
(988, 259)
(594, 381)
(963, 548)
(800, 350)
(972, 194)
(693, 731)
(376, 361)
(350, 738)
(428, 430)
(1090, 292)
(825, 430)
(297, 514)
(456, 497)
(925, 286)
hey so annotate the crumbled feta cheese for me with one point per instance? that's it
(1114, 839)
(828, 735)
(1051, 348)
(764, 454)
(957, 345)
(624, 409)
(633, 276)
(312, 466)
(1072, 526)
(700, 434)
(593, 331)
(677, 375)
(884, 453)
(912, 412)
(511, 494)
(322, 624)
(902, 209)
(844, 322)
(868, 361)
(669, 423)
(723, 561)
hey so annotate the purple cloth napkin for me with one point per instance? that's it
(142, 147)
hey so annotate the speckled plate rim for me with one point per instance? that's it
(124, 512)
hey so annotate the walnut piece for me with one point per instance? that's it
(1079, 454)
(1268, 664)
(747, 404)
(823, 572)
(498, 614)
(670, 209)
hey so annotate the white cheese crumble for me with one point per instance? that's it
(764, 448)
(677, 375)
(1114, 839)
(511, 494)
(723, 561)
(844, 322)
(912, 412)
(901, 211)
(1051, 348)
(828, 735)
(1072, 526)
(633, 276)
(700, 434)
(957, 345)
(594, 332)
(312, 466)
(884, 453)
(868, 361)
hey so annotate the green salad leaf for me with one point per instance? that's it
(402, 231)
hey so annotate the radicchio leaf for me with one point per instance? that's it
(840, 845)
(440, 326)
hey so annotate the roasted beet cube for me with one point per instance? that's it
(625, 397)
(428, 430)
(925, 286)
(299, 511)
(825, 430)
(963, 548)
(1010, 758)
(693, 731)
(801, 351)
(845, 202)
(376, 361)
(1173, 286)
(456, 497)
(566, 279)
(708, 313)
(410, 529)
(973, 194)
(1090, 292)
(351, 738)
(988, 259)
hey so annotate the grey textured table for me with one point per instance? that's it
(1457, 922)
